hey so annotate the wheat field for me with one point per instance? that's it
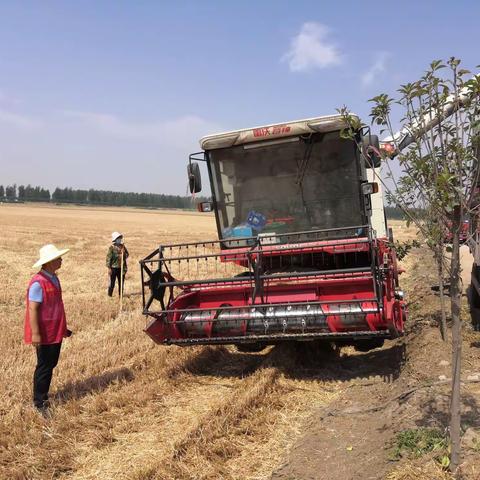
(124, 407)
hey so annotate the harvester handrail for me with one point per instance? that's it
(239, 239)
(284, 250)
(323, 273)
(242, 255)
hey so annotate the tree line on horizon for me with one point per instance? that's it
(28, 193)
(12, 193)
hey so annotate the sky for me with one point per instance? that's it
(114, 95)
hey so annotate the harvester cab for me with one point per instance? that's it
(303, 251)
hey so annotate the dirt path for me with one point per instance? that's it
(346, 439)
(351, 438)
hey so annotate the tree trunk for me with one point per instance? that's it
(456, 298)
(443, 319)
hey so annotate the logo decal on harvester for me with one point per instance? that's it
(267, 131)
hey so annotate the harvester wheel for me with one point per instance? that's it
(250, 347)
(367, 345)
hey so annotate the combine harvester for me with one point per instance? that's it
(303, 254)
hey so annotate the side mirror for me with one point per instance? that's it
(369, 188)
(194, 177)
(205, 206)
(371, 148)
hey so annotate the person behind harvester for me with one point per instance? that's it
(115, 254)
(45, 321)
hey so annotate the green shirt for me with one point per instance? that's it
(113, 257)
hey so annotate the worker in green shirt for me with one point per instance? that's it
(115, 254)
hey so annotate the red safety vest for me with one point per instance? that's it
(51, 321)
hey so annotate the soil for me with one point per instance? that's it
(346, 440)
(403, 385)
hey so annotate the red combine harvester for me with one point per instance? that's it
(303, 254)
(464, 232)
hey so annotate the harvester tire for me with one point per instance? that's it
(475, 315)
(250, 347)
(367, 345)
(474, 300)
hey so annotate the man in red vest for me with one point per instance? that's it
(45, 321)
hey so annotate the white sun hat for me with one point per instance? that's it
(115, 235)
(48, 253)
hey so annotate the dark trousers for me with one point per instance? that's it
(115, 276)
(47, 359)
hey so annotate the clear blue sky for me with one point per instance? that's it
(115, 95)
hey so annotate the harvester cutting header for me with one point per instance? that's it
(303, 250)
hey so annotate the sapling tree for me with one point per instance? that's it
(432, 175)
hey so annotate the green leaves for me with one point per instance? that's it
(403, 248)
(436, 173)
(381, 109)
(445, 462)
(352, 124)
(453, 62)
(436, 65)
(416, 442)
(463, 72)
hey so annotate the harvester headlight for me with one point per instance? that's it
(369, 188)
